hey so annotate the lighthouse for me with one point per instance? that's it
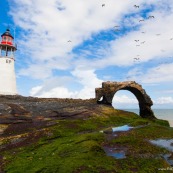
(7, 61)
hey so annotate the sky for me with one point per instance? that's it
(67, 49)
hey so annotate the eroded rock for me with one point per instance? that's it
(109, 89)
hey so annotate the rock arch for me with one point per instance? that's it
(109, 89)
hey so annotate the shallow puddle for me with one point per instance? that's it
(165, 143)
(115, 152)
(111, 133)
(168, 158)
(121, 128)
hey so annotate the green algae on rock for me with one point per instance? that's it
(64, 136)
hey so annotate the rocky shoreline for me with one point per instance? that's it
(46, 134)
(18, 109)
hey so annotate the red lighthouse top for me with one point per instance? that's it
(7, 38)
(7, 42)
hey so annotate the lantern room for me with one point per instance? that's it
(7, 47)
(7, 64)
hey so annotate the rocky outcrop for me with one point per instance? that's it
(109, 89)
(19, 109)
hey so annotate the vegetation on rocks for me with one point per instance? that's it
(76, 145)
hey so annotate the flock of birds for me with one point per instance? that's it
(137, 41)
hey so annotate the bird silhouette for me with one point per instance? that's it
(69, 40)
(136, 6)
(142, 20)
(136, 58)
(150, 17)
(136, 40)
(143, 32)
(143, 42)
(103, 5)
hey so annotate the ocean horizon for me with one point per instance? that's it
(165, 114)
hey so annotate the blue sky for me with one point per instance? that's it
(68, 49)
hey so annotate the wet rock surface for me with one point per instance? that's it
(18, 109)
(31, 112)
(30, 125)
(23, 120)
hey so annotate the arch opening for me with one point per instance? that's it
(125, 100)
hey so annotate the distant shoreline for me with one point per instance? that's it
(165, 114)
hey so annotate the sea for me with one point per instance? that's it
(164, 114)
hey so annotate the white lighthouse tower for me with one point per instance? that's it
(7, 70)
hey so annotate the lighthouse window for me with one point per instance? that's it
(8, 61)
(4, 38)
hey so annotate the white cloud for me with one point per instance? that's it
(150, 45)
(59, 92)
(125, 99)
(55, 87)
(52, 85)
(47, 26)
(35, 90)
(89, 80)
(164, 100)
(159, 74)
(50, 29)
(168, 91)
(87, 77)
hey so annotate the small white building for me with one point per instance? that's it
(7, 60)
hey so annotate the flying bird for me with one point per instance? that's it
(136, 40)
(103, 5)
(136, 6)
(142, 20)
(143, 32)
(150, 17)
(69, 40)
(158, 34)
(143, 42)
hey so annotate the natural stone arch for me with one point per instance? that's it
(109, 89)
